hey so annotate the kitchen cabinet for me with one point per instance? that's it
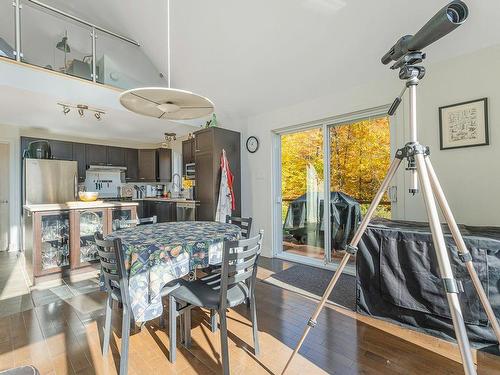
(116, 215)
(79, 157)
(96, 154)
(132, 164)
(155, 165)
(206, 189)
(115, 156)
(61, 150)
(209, 145)
(164, 164)
(164, 211)
(147, 165)
(188, 152)
(47, 242)
(85, 223)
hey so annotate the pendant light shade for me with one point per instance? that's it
(165, 103)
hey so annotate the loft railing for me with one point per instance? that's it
(38, 34)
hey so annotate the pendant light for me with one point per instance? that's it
(166, 102)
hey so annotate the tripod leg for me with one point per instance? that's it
(445, 266)
(462, 248)
(354, 243)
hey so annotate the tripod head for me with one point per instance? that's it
(408, 71)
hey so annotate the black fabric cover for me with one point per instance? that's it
(345, 219)
(398, 278)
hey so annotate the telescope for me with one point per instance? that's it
(445, 21)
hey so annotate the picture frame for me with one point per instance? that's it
(464, 124)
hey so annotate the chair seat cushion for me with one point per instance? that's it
(206, 293)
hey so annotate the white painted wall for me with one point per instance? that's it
(469, 176)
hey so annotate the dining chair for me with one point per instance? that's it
(245, 223)
(223, 290)
(116, 284)
(122, 224)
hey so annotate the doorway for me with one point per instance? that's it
(4, 196)
(347, 158)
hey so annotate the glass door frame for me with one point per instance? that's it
(325, 125)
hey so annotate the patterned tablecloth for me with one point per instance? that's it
(159, 253)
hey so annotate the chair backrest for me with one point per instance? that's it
(147, 220)
(122, 224)
(113, 266)
(239, 264)
(245, 223)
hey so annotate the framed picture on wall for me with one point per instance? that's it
(464, 124)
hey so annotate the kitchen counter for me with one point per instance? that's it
(77, 205)
(173, 200)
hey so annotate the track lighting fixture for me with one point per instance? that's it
(82, 109)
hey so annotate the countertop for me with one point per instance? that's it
(174, 200)
(77, 205)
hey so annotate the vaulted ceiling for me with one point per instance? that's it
(255, 56)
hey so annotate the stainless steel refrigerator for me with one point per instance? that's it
(50, 181)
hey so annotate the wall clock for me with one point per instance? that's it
(252, 144)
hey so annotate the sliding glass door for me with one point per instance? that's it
(347, 159)
(301, 191)
(359, 159)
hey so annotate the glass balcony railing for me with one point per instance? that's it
(37, 34)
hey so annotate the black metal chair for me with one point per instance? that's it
(116, 284)
(245, 223)
(122, 224)
(221, 291)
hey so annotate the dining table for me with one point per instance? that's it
(156, 254)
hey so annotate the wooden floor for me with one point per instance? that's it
(61, 333)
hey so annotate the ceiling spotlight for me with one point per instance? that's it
(97, 116)
(81, 113)
(66, 110)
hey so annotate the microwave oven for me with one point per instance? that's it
(190, 171)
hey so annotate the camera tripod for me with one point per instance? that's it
(422, 172)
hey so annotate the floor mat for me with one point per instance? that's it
(312, 282)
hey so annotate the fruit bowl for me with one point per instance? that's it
(88, 196)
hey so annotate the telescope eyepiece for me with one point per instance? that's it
(457, 12)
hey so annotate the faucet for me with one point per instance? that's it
(176, 184)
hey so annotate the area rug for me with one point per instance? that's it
(312, 282)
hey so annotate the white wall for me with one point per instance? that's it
(10, 135)
(469, 176)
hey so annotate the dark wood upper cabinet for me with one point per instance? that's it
(132, 164)
(188, 151)
(79, 157)
(61, 150)
(164, 164)
(204, 140)
(96, 154)
(116, 156)
(147, 165)
(155, 165)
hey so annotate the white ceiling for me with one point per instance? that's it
(255, 56)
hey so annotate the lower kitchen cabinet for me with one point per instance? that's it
(117, 215)
(47, 242)
(164, 211)
(58, 241)
(85, 224)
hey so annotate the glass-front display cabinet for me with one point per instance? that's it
(51, 245)
(86, 223)
(118, 217)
